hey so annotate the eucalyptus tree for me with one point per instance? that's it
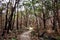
(11, 15)
(6, 17)
(3, 9)
(51, 5)
(46, 8)
(57, 10)
(17, 14)
(56, 14)
(26, 6)
(9, 18)
(31, 6)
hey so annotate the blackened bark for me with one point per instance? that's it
(13, 21)
(6, 22)
(21, 21)
(26, 18)
(6, 18)
(44, 19)
(57, 9)
(55, 15)
(17, 15)
(11, 16)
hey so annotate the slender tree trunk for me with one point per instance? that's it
(44, 20)
(17, 17)
(26, 18)
(6, 18)
(13, 22)
(1, 18)
(58, 16)
(21, 21)
(6, 22)
(11, 16)
(55, 15)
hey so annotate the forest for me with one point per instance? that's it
(29, 19)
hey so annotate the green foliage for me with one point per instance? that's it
(0, 8)
(13, 39)
(38, 9)
(34, 1)
(33, 33)
(58, 4)
(3, 5)
(26, 3)
(48, 4)
(58, 38)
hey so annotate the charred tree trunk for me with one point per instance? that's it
(44, 19)
(17, 17)
(13, 21)
(21, 21)
(55, 15)
(17, 22)
(6, 18)
(26, 18)
(6, 21)
(57, 9)
(11, 16)
(44, 23)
